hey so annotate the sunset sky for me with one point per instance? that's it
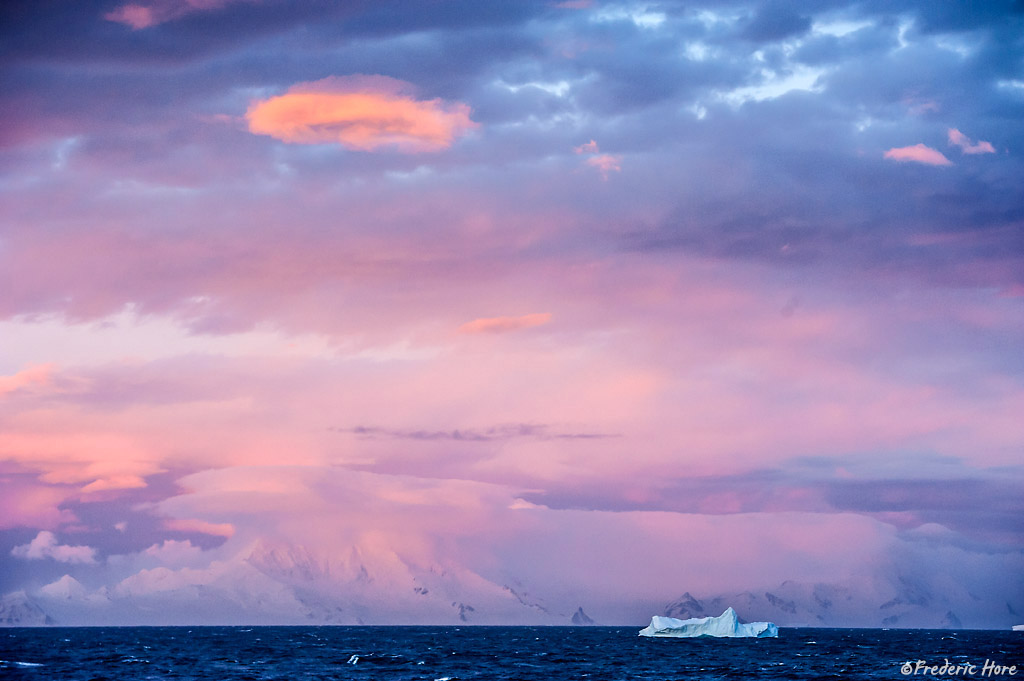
(615, 300)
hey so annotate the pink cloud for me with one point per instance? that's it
(45, 545)
(379, 517)
(968, 146)
(114, 482)
(918, 153)
(29, 503)
(606, 163)
(1013, 291)
(200, 526)
(69, 454)
(140, 16)
(694, 366)
(363, 113)
(93, 459)
(37, 375)
(503, 324)
(588, 148)
(135, 16)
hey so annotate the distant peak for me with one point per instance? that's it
(581, 618)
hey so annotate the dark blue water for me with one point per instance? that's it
(493, 653)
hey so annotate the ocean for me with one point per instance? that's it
(497, 653)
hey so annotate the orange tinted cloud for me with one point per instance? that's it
(503, 324)
(362, 113)
(918, 153)
(967, 145)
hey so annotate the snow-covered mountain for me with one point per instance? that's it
(287, 584)
(372, 583)
(895, 601)
(18, 610)
(375, 585)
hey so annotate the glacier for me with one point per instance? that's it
(725, 625)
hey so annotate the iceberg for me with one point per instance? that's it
(725, 625)
(1018, 627)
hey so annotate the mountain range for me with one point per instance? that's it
(289, 584)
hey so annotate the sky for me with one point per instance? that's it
(608, 300)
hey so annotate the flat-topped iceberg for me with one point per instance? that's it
(1018, 627)
(725, 625)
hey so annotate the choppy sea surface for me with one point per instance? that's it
(497, 653)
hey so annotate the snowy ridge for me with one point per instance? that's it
(286, 584)
(881, 601)
(18, 610)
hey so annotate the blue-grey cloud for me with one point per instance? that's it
(773, 21)
(984, 506)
